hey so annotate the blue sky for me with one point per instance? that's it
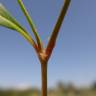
(74, 57)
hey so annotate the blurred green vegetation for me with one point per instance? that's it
(60, 89)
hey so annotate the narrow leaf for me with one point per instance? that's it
(6, 14)
(6, 20)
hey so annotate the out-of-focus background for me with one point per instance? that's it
(60, 89)
(73, 59)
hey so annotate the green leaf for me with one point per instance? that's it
(34, 30)
(6, 14)
(6, 20)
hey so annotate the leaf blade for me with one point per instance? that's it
(6, 20)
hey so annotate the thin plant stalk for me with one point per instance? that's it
(51, 45)
(44, 78)
(32, 25)
(6, 20)
(53, 37)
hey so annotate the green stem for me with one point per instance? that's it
(44, 78)
(31, 24)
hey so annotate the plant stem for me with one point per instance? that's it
(44, 78)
